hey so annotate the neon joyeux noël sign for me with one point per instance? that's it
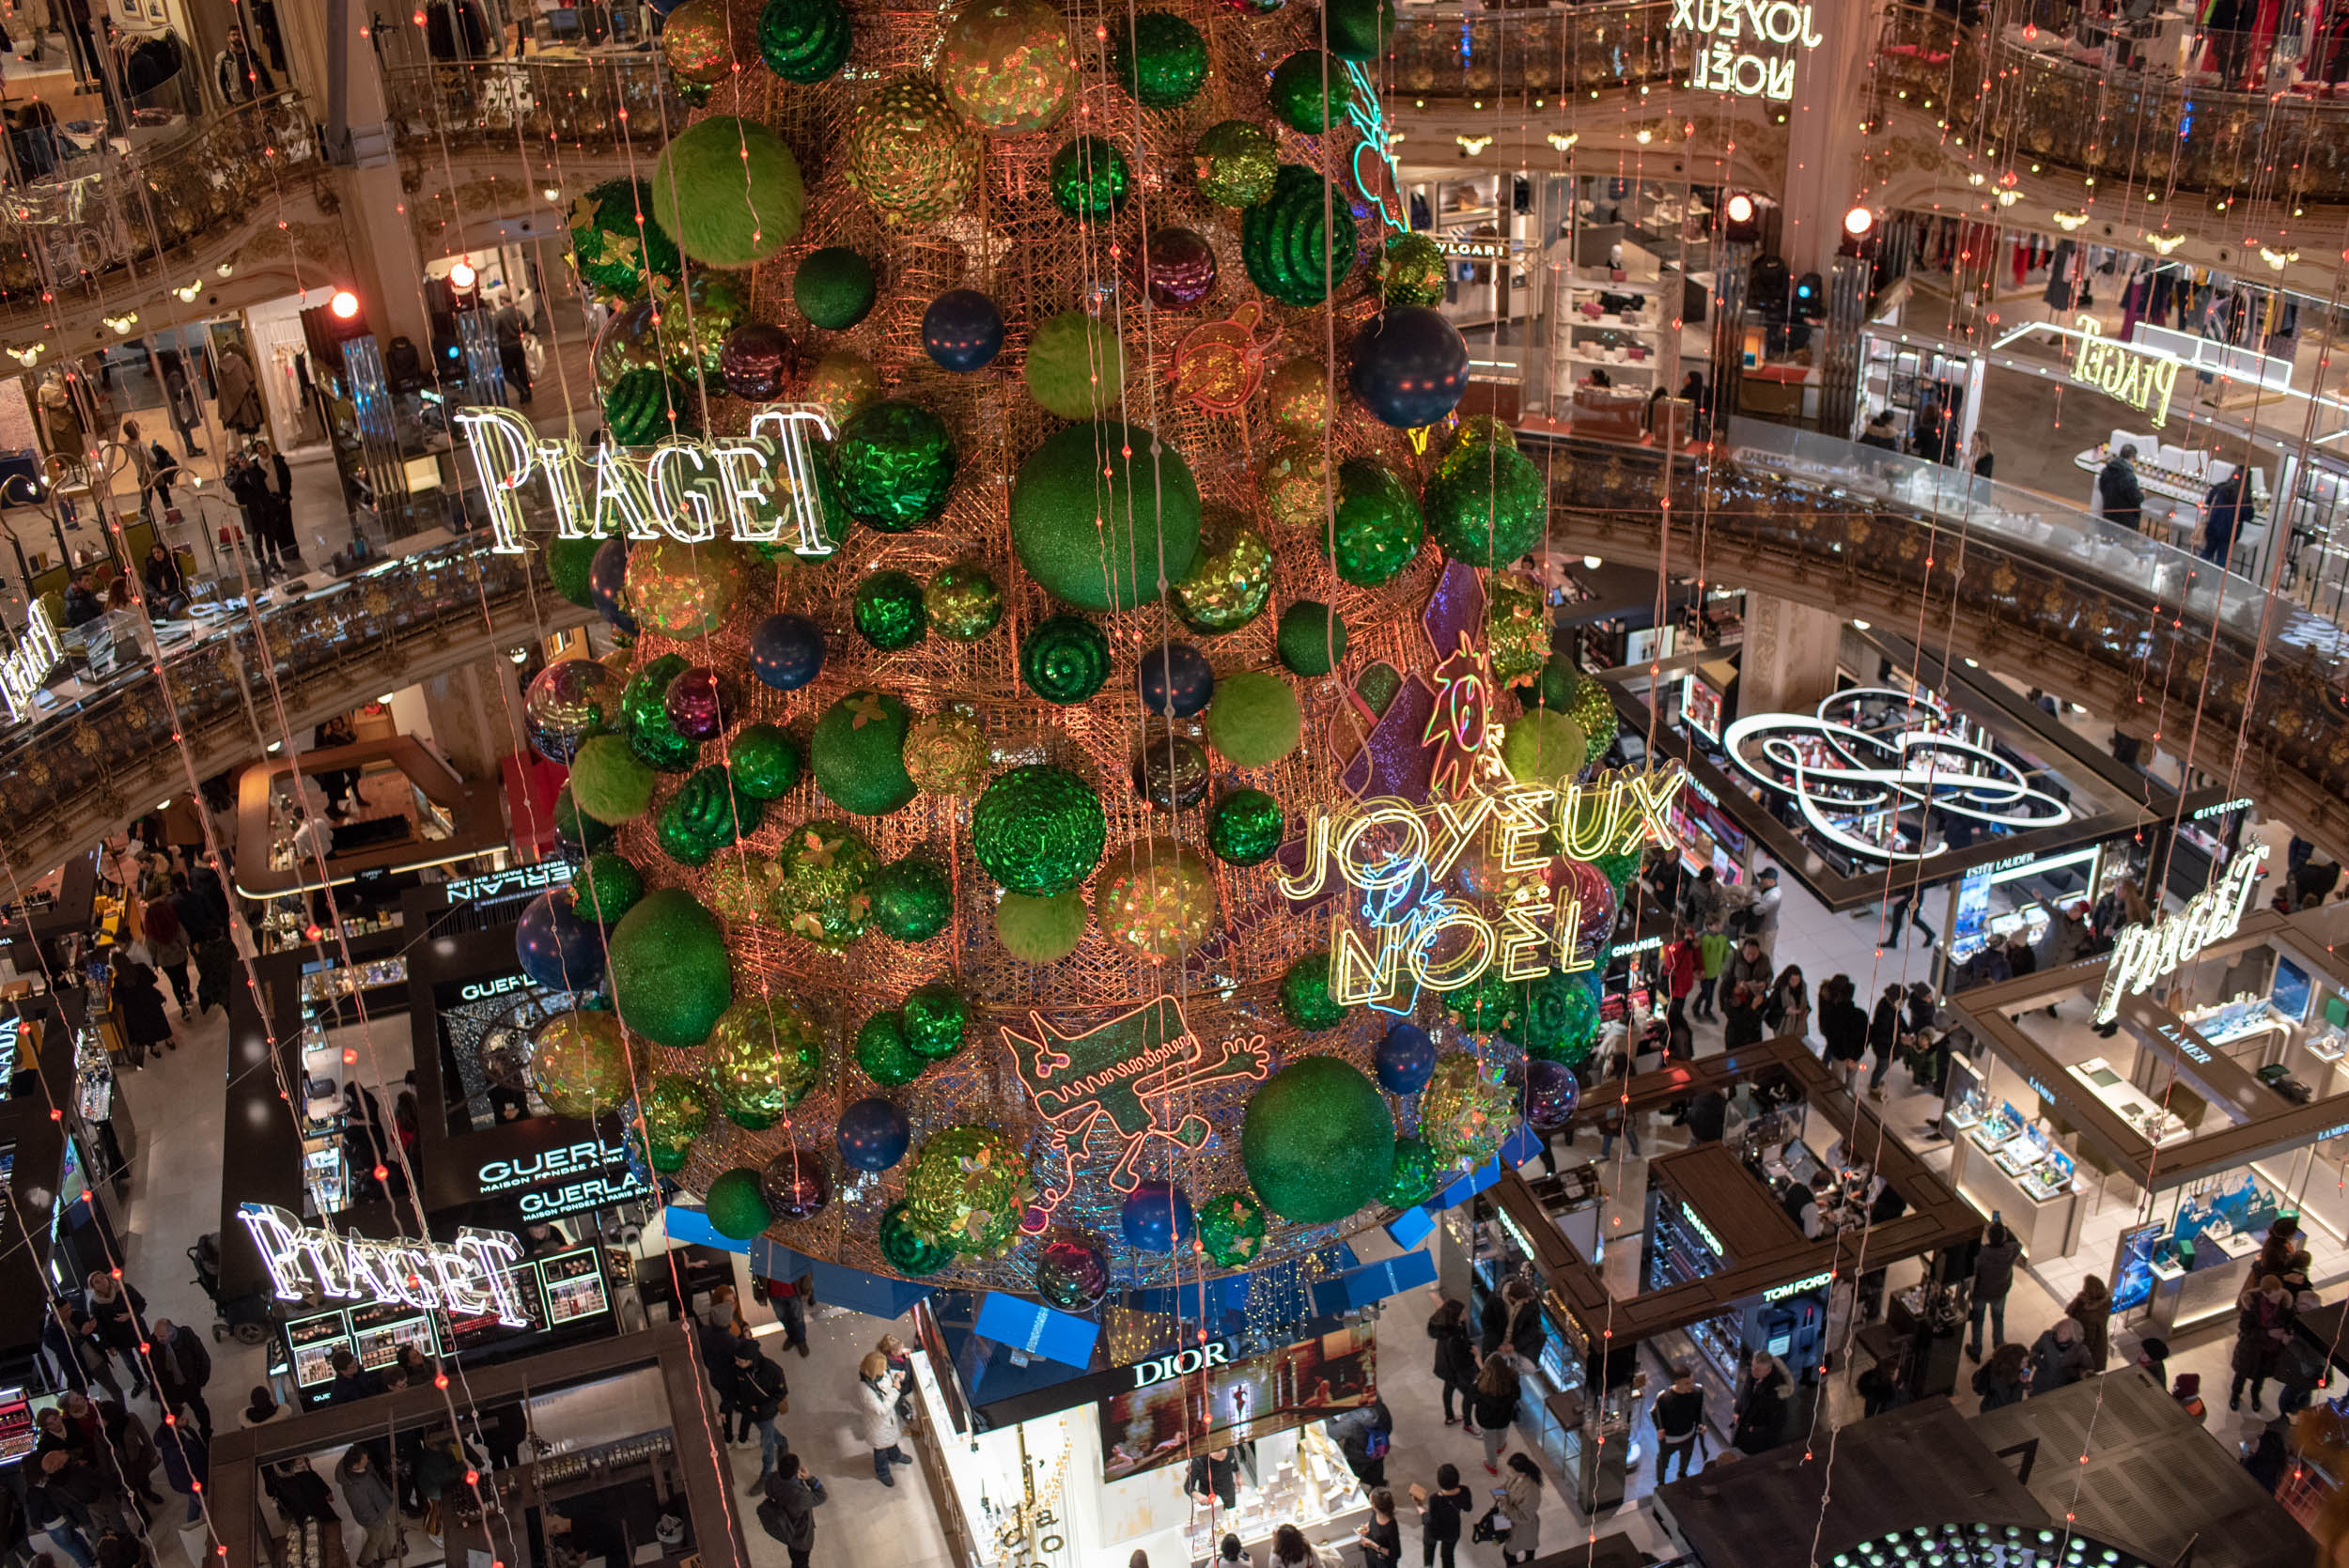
(758, 488)
(1736, 29)
(1853, 773)
(466, 1277)
(1395, 852)
(2143, 954)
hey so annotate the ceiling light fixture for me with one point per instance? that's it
(2165, 242)
(1472, 145)
(1563, 142)
(2067, 222)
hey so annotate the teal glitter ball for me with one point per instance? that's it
(1305, 999)
(1554, 1016)
(888, 610)
(935, 1020)
(1245, 827)
(1317, 1141)
(1065, 660)
(1299, 241)
(1038, 830)
(834, 288)
(911, 899)
(1159, 58)
(1089, 177)
(803, 40)
(882, 1052)
(1312, 639)
(1415, 1174)
(895, 463)
(1377, 526)
(1310, 91)
(704, 816)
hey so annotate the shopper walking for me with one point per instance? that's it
(759, 1394)
(788, 1512)
(1884, 1035)
(119, 1314)
(1844, 1027)
(1788, 1010)
(1455, 1362)
(130, 1445)
(1678, 962)
(877, 1416)
(1768, 1399)
(1679, 1418)
(2058, 1358)
(2092, 1308)
(367, 1494)
(76, 1354)
(2005, 1378)
(2124, 498)
(2228, 508)
(1496, 1408)
(1994, 1276)
(2262, 1323)
(1439, 1514)
(1713, 949)
(182, 1367)
(187, 410)
(140, 1001)
(1520, 1494)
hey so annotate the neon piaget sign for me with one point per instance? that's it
(2142, 954)
(469, 1277)
(1745, 47)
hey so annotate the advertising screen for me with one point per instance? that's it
(1173, 1413)
(574, 1287)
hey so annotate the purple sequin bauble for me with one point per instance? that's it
(1073, 1273)
(758, 360)
(1178, 268)
(700, 702)
(795, 1185)
(1550, 1095)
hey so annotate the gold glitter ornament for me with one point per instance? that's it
(1297, 485)
(908, 153)
(693, 41)
(738, 887)
(1298, 395)
(947, 753)
(1483, 428)
(1516, 632)
(1155, 899)
(684, 590)
(1231, 581)
(840, 384)
(763, 1055)
(1006, 66)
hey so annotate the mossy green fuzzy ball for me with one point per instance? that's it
(834, 288)
(730, 191)
(1254, 720)
(1306, 1000)
(1319, 1141)
(736, 1206)
(609, 782)
(570, 565)
(881, 1050)
(857, 753)
(606, 888)
(1312, 640)
(1541, 746)
(1040, 930)
(1075, 365)
(670, 977)
(1100, 511)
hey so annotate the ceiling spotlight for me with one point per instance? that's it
(2008, 198)
(2277, 261)
(345, 304)
(1858, 222)
(1859, 626)
(1472, 146)
(1592, 562)
(552, 193)
(1740, 209)
(226, 269)
(462, 276)
(189, 291)
(26, 356)
(1643, 135)
(1561, 143)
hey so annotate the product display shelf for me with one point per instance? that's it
(1312, 1490)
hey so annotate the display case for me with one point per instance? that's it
(2008, 1165)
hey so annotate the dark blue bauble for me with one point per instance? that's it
(1410, 366)
(962, 329)
(787, 651)
(873, 1135)
(556, 948)
(1176, 680)
(1407, 1059)
(1157, 1218)
(607, 585)
(1550, 1095)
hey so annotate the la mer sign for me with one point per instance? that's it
(1722, 66)
(2145, 954)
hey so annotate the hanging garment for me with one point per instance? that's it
(2133, 305)
(2022, 262)
(2060, 294)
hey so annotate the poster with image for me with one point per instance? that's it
(1165, 1422)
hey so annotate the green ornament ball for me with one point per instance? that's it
(1593, 711)
(1517, 628)
(907, 1252)
(573, 826)
(1541, 746)
(1230, 581)
(1310, 91)
(803, 40)
(888, 610)
(765, 1054)
(738, 888)
(1299, 241)
(614, 252)
(570, 563)
(1254, 719)
(821, 869)
(1065, 658)
(1075, 365)
(1234, 161)
(1415, 1174)
(907, 152)
(704, 816)
(1412, 271)
(834, 288)
(1378, 528)
(670, 974)
(963, 601)
(645, 405)
(729, 190)
(911, 899)
(1618, 869)
(676, 1111)
(881, 1050)
(1486, 504)
(606, 888)
(857, 753)
(895, 463)
(1040, 930)
(947, 753)
(1466, 1110)
(736, 1206)
(1038, 830)
(1159, 58)
(1480, 1005)
(936, 1021)
(609, 782)
(1553, 1016)
(765, 762)
(1311, 637)
(1245, 827)
(580, 1063)
(1089, 177)
(1317, 1141)
(1305, 998)
(645, 717)
(1100, 510)
(1358, 29)
(1558, 680)
(968, 1188)
(1231, 1229)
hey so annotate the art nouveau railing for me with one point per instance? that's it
(123, 228)
(593, 104)
(1523, 55)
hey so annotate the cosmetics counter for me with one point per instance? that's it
(2008, 1163)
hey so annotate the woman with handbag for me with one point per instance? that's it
(1455, 1362)
(1520, 1496)
(1495, 1408)
(877, 1422)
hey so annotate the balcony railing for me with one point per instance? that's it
(1513, 55)
(123, 226)
(590, 103)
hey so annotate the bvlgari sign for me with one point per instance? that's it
(2145, 954)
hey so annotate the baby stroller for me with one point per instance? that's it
(248, 1316)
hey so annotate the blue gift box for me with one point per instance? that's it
(1468, 1187)
(1409, 1228)
(1359, 1287)
(1038, 1329)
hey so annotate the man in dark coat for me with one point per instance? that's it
(182, 1367)
(2123, 496)
(789, 1514)
(757, 1394)
(1994, 1276)
(75, 1352)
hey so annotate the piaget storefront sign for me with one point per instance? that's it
(2145, 954)
(2126, 374)
(1745, 47)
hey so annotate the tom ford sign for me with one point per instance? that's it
(2143, 954)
